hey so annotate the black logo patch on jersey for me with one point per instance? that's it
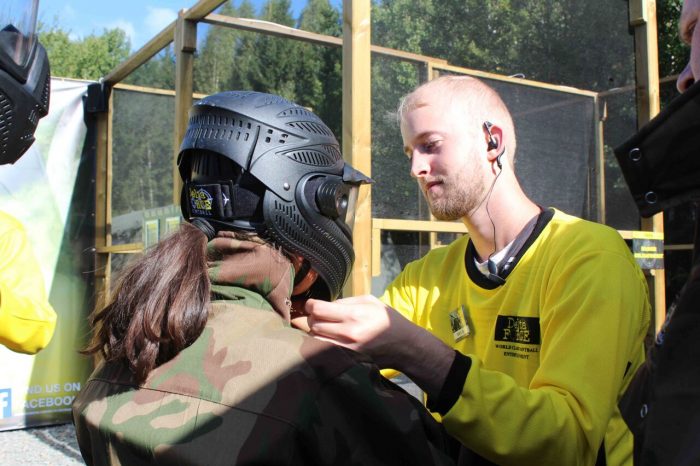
(516, 329)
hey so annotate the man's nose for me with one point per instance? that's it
(685, 79)
(419, 164)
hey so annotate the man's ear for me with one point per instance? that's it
(494, 140)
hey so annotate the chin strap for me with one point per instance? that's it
(205, 227)
(219, 201)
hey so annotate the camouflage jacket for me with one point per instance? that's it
(253, 390)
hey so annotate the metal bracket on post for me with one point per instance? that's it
(97, 97)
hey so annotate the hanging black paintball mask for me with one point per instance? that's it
(24, 79)
(661, 163)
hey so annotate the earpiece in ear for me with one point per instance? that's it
(492, 144)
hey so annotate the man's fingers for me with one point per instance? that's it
(325, 311)
(328, 332)
(362, 299)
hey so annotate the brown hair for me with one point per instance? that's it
(159, 305)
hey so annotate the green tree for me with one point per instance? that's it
(319, 76)
(673, 53)
(217, 56)
(246, 65)
(277, 58)
(88, 58)
(158, 72)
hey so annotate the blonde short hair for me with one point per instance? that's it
(478, 101)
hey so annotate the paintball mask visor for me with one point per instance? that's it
(336, 197)
(17, 36)
(24, 78)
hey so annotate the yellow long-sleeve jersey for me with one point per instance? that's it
(543, 358)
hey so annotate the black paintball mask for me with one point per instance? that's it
(24, 78)
(259, 163)
(661, 163)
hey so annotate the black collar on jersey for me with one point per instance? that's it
(511, 261)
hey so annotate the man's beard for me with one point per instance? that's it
(459, 197)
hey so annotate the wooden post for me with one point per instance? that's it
(103, 201)
(357, 138)
(601, 114)
(185, 46)
(643, 20)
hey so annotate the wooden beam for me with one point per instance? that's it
(153, 90)
(185, 46)
(647, 59)
(159, 42)
(202, 8)
(514, 80)
(141, 56)
(600, 115)
(643, 19)
(434, 226)
(357, 132)
(130, 248)
(272, 29)
(278, 30)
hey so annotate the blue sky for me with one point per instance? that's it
(140, 19)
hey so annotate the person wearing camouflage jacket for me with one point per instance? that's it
(201, 363)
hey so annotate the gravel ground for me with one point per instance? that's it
(53, 445)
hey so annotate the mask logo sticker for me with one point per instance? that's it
(200, 202)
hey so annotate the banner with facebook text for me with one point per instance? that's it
(50, 190)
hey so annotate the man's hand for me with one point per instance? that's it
(365, 324)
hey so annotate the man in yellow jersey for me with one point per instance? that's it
(662, 169)
(535, 321)
(27, 320)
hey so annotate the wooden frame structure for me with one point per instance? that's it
(357, 50)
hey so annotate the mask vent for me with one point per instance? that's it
(272, 100)
(296, 111)
(312, 157)
(45, 93)
(292, 223)
(311, 127)
(208, 126)
(333, 152)
(272, 134)
(6, 116)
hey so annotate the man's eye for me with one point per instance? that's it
(430, 146)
